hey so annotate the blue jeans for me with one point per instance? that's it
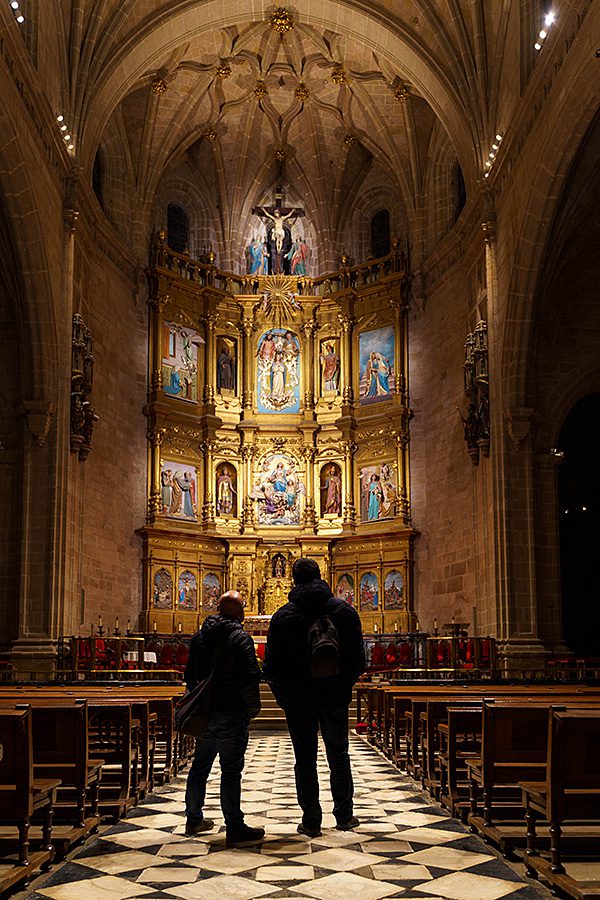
(304, 730)
(227, 735)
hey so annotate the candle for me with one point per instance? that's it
(435, 624)
(117, 623)
(154, 627)
(375, 627)
(418, 626)
(453, 619)
(128, 624)
(99, 621)
(179, 627)
(395, 626)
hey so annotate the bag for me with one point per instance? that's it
(323, 648)
(193, 710)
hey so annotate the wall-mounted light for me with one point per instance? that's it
(549, 20)
(19, 17)
(64, 129)
(492, 155)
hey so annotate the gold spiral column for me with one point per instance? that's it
(347, 390)
(245, 483)
(308, 331)
(155, 438)
(208, 507)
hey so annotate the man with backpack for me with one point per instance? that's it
(223, 648)
(313, 657)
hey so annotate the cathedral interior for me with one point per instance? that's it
(318, 280)
(281, 281)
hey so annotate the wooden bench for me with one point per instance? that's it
(22, 796)
(569, 798)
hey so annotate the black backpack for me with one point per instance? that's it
(323, 648)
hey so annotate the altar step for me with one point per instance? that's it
(272, 718)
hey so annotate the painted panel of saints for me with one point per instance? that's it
(329, 357)
(369, 592)
(278, 372)
(278, 490)
(226, 365)
(178, 490)
(376, 364)
(331, 490)
(378, 492)
(187, 591)
(211, 591)
(162, 595)
(394, 590)
(180, 362)
(345, 588)
(226, 490)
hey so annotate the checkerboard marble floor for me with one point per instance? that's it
(405, 846)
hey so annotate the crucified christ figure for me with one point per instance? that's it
(278, 220)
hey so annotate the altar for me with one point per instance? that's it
(278, 427)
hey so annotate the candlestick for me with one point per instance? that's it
(128, 626)
(116, 623)
(154, 627)
(418, 626)
(92, 629)
(395, 626)
(375, 627)
(179, 627)
(99, 621)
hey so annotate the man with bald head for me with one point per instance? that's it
(223, 644)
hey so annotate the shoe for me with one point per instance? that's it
(310, 832)
(348, 825)
(244, 836)
(192, 828)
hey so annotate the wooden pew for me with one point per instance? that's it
(569, 798)
(22, 796)
(460, 740)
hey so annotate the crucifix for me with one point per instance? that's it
(279, 234)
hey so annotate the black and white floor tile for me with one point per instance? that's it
(405, 846)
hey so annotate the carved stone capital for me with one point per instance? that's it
(39, 415)
(349, 448)
(247, 326)
(247, 451)
(155, 435)
(345, 322)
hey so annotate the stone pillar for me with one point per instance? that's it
(546, 464)
(349, 448)
(347, 390)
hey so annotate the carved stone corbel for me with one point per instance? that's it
(518, 421)
(39, 415)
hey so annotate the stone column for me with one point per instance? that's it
(349, 448)
(347, 390)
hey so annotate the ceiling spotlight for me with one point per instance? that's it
(20, 19)
(492, 155)
(537, 46)
(59, 118)
(71, 147)
(550, 19)
(498, 137)
(14, 4)
(543, 34)
(63, 127)
(486, 174)
(67, 137)
(488, 163)
(494, 146)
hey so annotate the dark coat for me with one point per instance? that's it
(235, 686)
(287, 664)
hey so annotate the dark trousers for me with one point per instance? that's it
(227, 735)
(304, 728)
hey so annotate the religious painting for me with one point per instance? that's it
(369, 592)
(187, 591)
(376, 364)
(226, 490)
(226, 365)
(331, 490)
(278, 490)
(393, 593)
(378, 492)
(278, 372)
(178, 490)
(211, 591)
(329, 357)
(180, 362)
(345, 588)
(162, 595)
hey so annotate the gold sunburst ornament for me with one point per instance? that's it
(402, 93)
(281, 20)
(209, 134)
(349, 139)
(159, 86)
(223, 69)
(279, 301)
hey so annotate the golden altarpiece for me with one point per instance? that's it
(278, 426)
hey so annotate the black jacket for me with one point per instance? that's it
(235, 683)
(287, 666)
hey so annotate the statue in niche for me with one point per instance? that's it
(331, 490)
(297, 256)
(278, 566)
(226, 362)
(330, 366)
(378, 492)
(257, 254)
(226, 491)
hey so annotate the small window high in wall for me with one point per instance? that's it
(178, 228)
(380, 234)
